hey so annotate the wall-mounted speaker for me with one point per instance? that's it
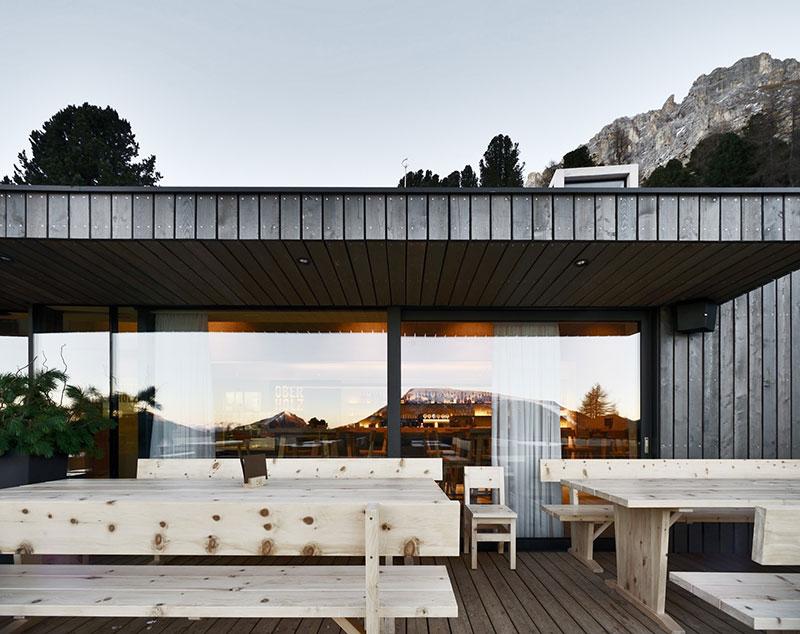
(700, 316)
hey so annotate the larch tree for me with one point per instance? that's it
(500, 165)
(468, 177)
(596, 403)
(85, 145)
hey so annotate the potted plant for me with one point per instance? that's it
(44, 420)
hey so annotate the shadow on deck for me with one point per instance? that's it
(549, 592)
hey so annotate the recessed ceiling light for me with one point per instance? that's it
(581, 262)
(304, 261)
(6, 258)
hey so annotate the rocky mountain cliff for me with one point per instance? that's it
(721, 101)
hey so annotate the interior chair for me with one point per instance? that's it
(488, 522)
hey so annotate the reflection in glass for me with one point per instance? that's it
(512, 393)
(76, 341)
(13, 342)
(227, 383)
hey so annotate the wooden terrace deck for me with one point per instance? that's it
(549, 592)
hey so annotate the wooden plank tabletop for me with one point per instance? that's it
(180, 517)
(381, 491)
(690, 494)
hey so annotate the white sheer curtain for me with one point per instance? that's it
(184, 427)
(526, 418)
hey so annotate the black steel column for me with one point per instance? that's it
(113, 396)
(393, 382)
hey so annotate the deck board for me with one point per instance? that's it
(549, 592)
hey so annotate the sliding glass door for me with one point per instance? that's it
(223, 383)
(510, 393)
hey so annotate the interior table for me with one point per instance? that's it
(221, 517)
(644, 510)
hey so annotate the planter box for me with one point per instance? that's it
(17, 469)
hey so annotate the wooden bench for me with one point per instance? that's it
(763, 601)
(376, 594)
(292, 468)
(589, 521)
(223, 518)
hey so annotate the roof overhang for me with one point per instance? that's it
(380, 273)
(517, 248)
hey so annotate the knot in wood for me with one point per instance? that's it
(266, 547)
(310, 550)
(111, 528)
(24, 549)
(216, 518)
(264, 512)
(410, 548)
(308, 519)
(212, 544)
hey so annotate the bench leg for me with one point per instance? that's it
(387, 626)
(512, 546)
(582, 538)
(465, 529)
(473, 545)
(347, 626)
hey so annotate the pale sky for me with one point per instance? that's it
(319, 93)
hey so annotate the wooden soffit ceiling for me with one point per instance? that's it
(364, 273)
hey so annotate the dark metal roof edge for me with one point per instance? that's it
(395, 190)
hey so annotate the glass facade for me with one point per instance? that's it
(77, 341)
(202, 384)
(512, 393)
(13, 342)
(223, 383)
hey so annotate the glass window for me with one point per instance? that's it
(222, 383)
(76, 340)
(13, 341)
(512, 393)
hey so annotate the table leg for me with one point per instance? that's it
(642, 538)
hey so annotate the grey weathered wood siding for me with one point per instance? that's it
(381, 214)
(732, 393)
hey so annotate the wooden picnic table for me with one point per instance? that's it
(644, 510)
(220, 517)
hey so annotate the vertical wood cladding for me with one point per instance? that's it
(734, 392)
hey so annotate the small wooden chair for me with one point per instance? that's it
(501, 519)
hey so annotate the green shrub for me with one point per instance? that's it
(43, 415)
